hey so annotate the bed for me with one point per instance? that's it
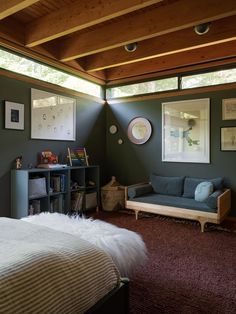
(48, 271)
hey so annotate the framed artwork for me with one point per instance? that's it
(14, 115)
(53, 117)
(185, 131)
(228, 139)
(229, 109)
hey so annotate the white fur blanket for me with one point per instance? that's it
(126, 247)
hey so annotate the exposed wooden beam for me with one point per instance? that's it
(9, 7)
(177, 60)
(79, 15)
(231, 61)
(12, 30)
(221, 31)
(162, 20)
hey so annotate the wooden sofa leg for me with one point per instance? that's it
(136, 214)
(202, 223)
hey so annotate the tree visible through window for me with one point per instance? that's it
(143, 88)
(208, 79)
(18, 64)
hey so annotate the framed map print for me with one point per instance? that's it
(185, 131)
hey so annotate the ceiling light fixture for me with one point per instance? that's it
(131, 47)
(202, 29)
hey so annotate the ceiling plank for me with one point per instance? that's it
(220, 31)
(10, 7)
(12, 30)
(173, 72)
(162, 20)
(181, 59)
(82, 14)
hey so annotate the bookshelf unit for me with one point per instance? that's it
(54, 190)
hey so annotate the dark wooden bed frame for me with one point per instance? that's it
(115, 302)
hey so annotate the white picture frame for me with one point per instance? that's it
(53, 117)
(14, 115)
(186, 131)
(228, 139)
(229, 109)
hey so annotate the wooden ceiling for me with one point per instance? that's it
(88, 37)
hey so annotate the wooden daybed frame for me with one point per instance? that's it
(223, 207)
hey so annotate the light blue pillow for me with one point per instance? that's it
(203, 190)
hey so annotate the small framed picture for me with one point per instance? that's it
(229, 109)
(228, 139)
(14, 115)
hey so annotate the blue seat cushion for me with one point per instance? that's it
(167, 185)
(174, 201)
(190, 185)
(203, 190)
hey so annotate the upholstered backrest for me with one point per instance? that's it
(167, 185)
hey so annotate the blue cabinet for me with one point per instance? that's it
(64, 190)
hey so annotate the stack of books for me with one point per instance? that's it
(58, 182)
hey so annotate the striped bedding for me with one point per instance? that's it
(46, 271)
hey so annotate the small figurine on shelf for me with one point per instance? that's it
(18, 162)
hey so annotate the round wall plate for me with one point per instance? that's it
(113, 129)
(139, 130)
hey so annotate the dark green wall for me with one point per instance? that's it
(90, 132)
(132, 163)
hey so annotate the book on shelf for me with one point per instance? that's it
(77, 201)
(51, 166)
(83, 201)
(58, 182)
(57, 204)
(77, 157)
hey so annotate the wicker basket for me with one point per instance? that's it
(113, 196)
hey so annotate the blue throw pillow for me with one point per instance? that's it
(203, 190)
(139, 190)
(218, 183)
(190, 185)
(211, 201)
(167, 185)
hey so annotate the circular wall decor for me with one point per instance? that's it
(120, 141)
(113, 129)
(139, 130)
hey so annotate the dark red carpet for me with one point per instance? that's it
(187, 271)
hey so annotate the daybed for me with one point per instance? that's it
(204, 200)
(47, 271)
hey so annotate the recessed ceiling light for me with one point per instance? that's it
(202, 29)
(131, 47)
